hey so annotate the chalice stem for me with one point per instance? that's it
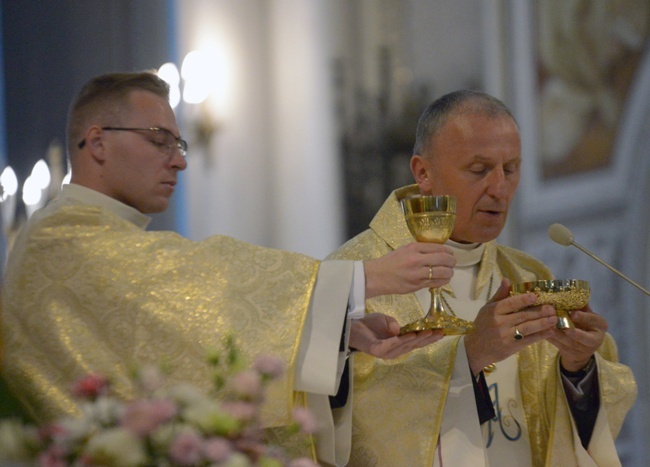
(437, 307)
(430, 219)
(563, 319)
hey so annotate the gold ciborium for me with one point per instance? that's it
(431, 219)
(564, 295)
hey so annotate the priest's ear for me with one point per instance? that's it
(421, 168)
(94, 142)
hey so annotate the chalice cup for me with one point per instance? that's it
(564, 294)
(431, 219)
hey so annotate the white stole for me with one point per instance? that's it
(463, 440)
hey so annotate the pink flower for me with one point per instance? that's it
(91, 387)
(268, 366)
(247, 384)
(305, 420)
(251, 446)
(142, 417)
(51, 431)
(53, 456)
(186, 448)
(150, 378)
(217, 449)
(302, 462)
(244, 411)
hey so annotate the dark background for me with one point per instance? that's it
(51, 48)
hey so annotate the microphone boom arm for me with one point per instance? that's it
(614, 270)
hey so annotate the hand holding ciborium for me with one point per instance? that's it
(564, 295)
(431, 219)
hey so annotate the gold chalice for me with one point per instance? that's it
(431, 219)
(564, 295)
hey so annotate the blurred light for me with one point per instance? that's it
(202, 84)
(41, 174)
(216, 75)
(193, 65)
(32, 192)
(9, 182)
(195, 70)
(67, 178)
(174, 96)
(195, 92)
(169, 73)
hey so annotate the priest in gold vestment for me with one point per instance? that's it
(88, 290)
(516, 390)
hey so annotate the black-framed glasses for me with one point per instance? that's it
(160, 137)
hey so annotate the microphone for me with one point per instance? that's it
(560, 234)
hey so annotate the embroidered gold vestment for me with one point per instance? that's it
(398, 404)
(87, 290)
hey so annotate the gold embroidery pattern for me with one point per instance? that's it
(94, 292)
(398, 404)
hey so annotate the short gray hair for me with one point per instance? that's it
(464, 101)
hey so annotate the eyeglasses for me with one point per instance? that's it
(160, 137)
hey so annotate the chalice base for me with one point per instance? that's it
(563, 320)
(450, 325)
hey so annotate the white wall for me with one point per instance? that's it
(226, 182)
(270, 176)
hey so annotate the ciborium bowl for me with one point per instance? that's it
(564, 294)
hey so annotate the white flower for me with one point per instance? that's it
(184, 394)
(104, 410)
(209, 417)
(115, 447)
(71, 431)
(162, 437)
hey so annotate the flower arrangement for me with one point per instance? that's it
(174, 426)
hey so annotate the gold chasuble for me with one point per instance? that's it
(398, 405)
(87, 289)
